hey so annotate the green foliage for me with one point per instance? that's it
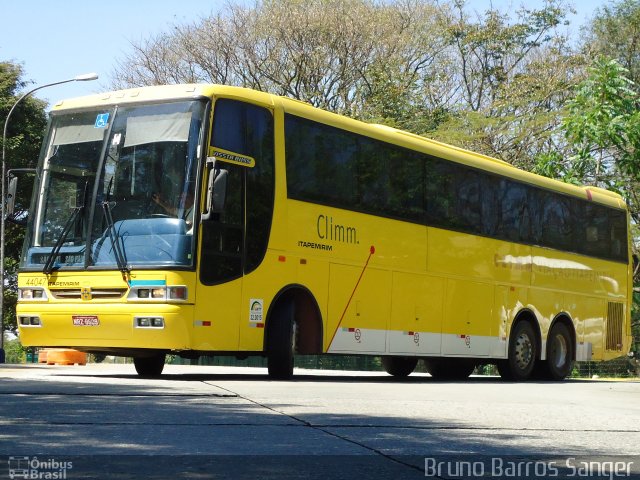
(24, 136)
(14, 351)
(97, 357)
(601, 125)
(615, 33)
(511, 73)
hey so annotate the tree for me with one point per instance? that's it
(614, 32)
(24, 136)
(601, 125)
(411, 64)
(511, 74)
(334, 54)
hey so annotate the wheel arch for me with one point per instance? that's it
(527, 315)
(565, 319)
(307, 316)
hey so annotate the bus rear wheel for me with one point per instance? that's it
(449, 368)
(149, 367)
(522, 354)
(281, 342)
(560, 352)
(399, 367)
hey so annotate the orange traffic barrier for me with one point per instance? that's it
(64, 356)
(42, 355)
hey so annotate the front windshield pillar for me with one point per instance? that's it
(104, 122)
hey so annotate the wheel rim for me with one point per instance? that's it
(294, 336)
(559, 351)
(523, 351)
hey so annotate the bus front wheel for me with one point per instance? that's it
(149, 367)
(281, 342)
(399, 367)
(522, 354)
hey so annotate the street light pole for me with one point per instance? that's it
(79, 78)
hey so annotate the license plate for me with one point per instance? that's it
(85, 320)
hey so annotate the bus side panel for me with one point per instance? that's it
(579, 274)
(258, 291)
(588, 290)
(416, 314)
(359, 310)
(472, 257)
(588, 318)
(545, 304)
(487, 285)
(217, 316)
(278, 271)
(468, 329)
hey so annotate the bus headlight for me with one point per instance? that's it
(158, 293)
(36, 294)
(178, 293)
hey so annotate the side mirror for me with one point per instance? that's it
(216, 189)
(11, 197)
(10, 207)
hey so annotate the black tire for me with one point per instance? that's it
(399, 367)
(449, 368)
(560, 353)
(281, 342)
(149, 367)
(523, 351)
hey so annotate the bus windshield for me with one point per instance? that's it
(117, 189)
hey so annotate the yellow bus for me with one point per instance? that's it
(212, 220)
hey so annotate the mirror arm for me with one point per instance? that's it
(210, 169)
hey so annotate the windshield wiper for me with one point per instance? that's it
(55, 251)
(118, 251)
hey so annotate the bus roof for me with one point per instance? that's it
(380, 132)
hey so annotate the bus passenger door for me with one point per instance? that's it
(219, 289)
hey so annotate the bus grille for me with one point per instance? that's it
(98, 294)
(615, 315)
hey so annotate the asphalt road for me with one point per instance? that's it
(102, 421)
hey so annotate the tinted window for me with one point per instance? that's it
(440, 193)
(618, 235)
(514, 219)
(321, 163)
(342, 169)
(594, 230)
(556, 221)
(468, 212)
(390, 181)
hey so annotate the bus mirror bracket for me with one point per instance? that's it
(216, 189)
